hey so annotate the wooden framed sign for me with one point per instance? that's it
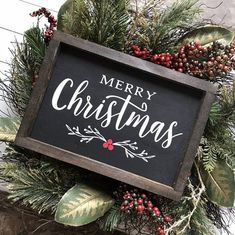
(116, 115)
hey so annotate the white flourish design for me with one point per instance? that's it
(128, 146)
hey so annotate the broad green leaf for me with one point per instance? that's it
(220, 184)
(8, 128)
(82, 205)
(208, 34)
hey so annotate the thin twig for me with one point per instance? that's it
(42, 225)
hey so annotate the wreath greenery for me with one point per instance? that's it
(175, 37)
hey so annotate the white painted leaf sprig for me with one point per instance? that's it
(129, 147)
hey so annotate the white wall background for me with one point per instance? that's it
(15, 19)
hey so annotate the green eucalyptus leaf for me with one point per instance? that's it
(208, 34)
(81, 205)
(220, 184)
(8, 128)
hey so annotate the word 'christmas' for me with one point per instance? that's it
(115, 109)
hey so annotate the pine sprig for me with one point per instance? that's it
(110, 221)
(35, 41)
(26, 61)
(175, 17)
(221, 122)
(34, 180)
(39, 190)
(161, 28)
(104, 22)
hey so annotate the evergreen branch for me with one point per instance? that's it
(207, 155)
(110, 221)
(27, 58)
(35, 41)
(104, 22)
(36, 189)
(209, 152)
(34, 180)
(159, 28)
(191, 214)
(221, 122)
(185, 220)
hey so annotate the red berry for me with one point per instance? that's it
(158, 213)
(168, 58)
(105, 145)
(131, 204)
(137, 53)
(143, 196)
(140, 208)
(110, 147)
(133, 195)
(167, 218)
(155, 209)
(161, 232)
(140, 201)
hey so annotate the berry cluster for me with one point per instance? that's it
(137, 202)
(48, 33)
(204, 62)
(108, 145)
(164, 59)
(141, 53)
(208, 62)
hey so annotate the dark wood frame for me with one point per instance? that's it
(23, 138)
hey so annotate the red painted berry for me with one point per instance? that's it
(105, 145)
(110, 147)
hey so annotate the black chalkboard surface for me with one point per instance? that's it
(116, 115)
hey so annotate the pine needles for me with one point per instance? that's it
(39, 190)
(161, 28)
(104, 22)
(219, 133)
(27, 58)
(112, 219)
(36, 181)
